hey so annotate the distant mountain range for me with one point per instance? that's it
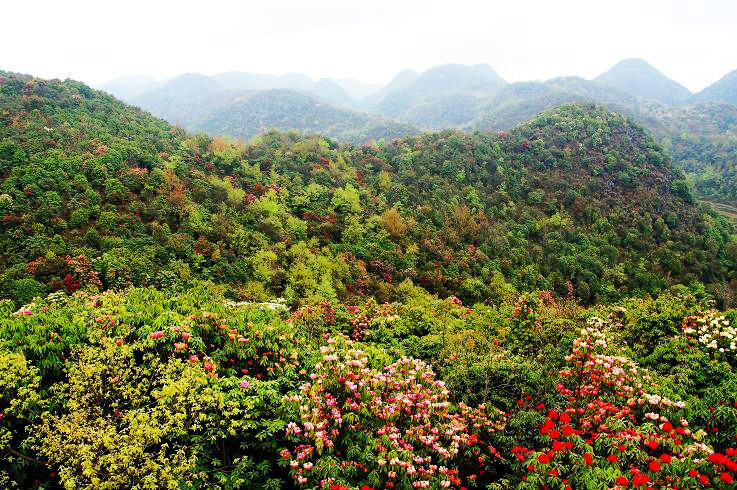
(699, 129)
(409, 91)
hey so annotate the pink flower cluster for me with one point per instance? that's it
(401, 414)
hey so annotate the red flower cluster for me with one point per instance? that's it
(614, 423)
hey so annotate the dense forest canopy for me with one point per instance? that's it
(545, 307)
(578, 197)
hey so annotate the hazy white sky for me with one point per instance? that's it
(693, 42)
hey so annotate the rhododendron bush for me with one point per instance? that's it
(392, 427)
(615, 428)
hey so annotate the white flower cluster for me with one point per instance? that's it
(659, 401)
(714, 333)
(594, 332)
(277, 304)
(57, 298)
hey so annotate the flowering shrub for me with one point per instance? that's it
(614, 428)
(392, 428)
(314, 320)
(81, 274)
(188, 390)
(524, 321)
(713, 333)
(361, 317)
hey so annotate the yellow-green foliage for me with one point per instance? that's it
(19, 401)
(136, 419)
(116, 434)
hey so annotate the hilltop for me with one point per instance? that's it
(400, 80)
(436, 86)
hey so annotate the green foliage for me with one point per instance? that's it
(152, 389)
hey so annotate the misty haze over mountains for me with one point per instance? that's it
(635, 76)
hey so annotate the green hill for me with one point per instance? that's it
(701, 138)
(703, 141)
(199, 103)
(246, 115)
(441, 85)
(518, 102)
(401, 79)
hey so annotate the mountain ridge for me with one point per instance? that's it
(706, 155)
(640, 78)
(723, 90)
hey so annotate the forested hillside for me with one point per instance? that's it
(723, 90)
(579, 197)
(701, 138)
(443, 87)
(241, 106)
(247, 115)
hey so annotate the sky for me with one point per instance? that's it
(693, 42)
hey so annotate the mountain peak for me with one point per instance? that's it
(456, 72)
(640, 78)
(192, 82)
(638, 63)
(723, 90)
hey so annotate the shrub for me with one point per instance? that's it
(393, 427)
